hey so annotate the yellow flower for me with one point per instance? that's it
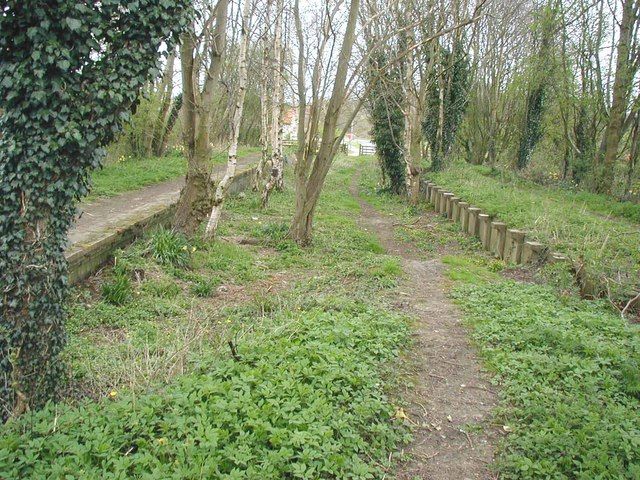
(193, 249)
(162, 441)
(400, 415)
(113, 394)
(184, 248)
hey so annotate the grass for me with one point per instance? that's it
(592, 229)
(155, 390)
(134, 173)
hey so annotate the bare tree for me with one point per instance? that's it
(265, 82)
(311, 168)
(236, 119)
(201, 57)
(627, 64)
(275, 179)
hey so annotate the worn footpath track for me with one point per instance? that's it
(450, 400)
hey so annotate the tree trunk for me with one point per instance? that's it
(608, 153)
(195, 199)
(413, 149)
(166, 90)
(236, 119)
(264, 102)
(171, 122)
(634, 154)
(308, 188)
(276, 164)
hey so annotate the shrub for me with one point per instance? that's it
(204, 287)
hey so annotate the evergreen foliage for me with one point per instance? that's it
(537, 87)
(455, 69)
(388, 126)
(70, 73)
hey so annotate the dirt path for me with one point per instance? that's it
(107, 214)
(450, 394)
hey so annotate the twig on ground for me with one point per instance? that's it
(629, 304)
(468, 438)
(480, 388)
(407, 224)
(234, 352)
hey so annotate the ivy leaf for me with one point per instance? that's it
(73, 23)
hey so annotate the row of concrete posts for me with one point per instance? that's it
(505, 243)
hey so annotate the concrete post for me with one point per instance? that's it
(455, 209)
(464, 216)
(485, 230)
(533, 252)
(441, 199)
(498, 238)
(474, 223)
(422, 187)
(427, 194)
(513, 246)
(448, 206)
(444, 200)
(436, 198)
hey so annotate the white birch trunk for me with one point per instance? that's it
(275, 176)
(264, 101)
(236, 119)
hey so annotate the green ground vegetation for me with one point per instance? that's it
(569, 376)
(595, 230)
(157, 391)
(566, 369)
(126, 174)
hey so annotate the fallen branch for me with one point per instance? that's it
(407, 224)
(630, 304)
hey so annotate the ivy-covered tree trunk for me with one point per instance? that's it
(70, 73)
(537, 88)
(532, 131)
(387, 121)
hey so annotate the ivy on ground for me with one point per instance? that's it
(304, 398)
(570, 381)
(70, 72)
